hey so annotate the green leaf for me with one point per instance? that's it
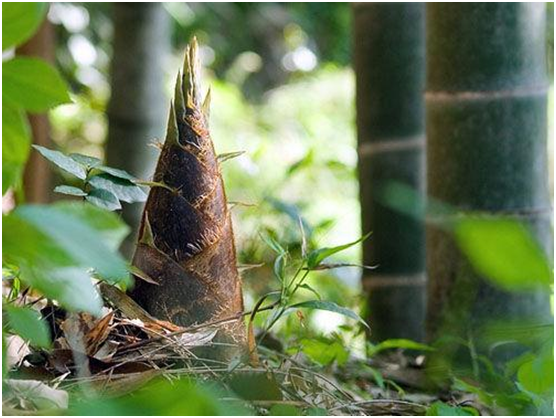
(4, 357)
(87, 161)
(123, 189)
(103, 199)
(443, 409)
(324, 351)
(505, 252)
(63, 161)
(325, 305)
(310, 289)
(284, 410)
(116, 172)
(76, 238)
(29, 325)
(161, 397)
(15, 145)
(70, 190)
(317, 412)
(280, 266)
(72, 287)
(272, 243)
(377, 376)
(48, 267)
(32, 84)
(23, 243)
(20, 21)
(400, 343)
(256, 386)
(315, 257)
(108, 224)
(537, 374)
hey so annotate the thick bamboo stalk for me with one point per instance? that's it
(486, 131)
(186, 243)
(390, 73)
(138, 105)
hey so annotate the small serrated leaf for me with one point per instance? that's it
(70, 190)
(89, 162)
(103, 199)
(121, 188)
(116, 172)
(63, 161)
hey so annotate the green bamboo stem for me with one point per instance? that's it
(390, 73)
(486, 148)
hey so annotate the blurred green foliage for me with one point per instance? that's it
(282, 94)
(29, 84)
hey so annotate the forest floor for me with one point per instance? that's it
(125, 355)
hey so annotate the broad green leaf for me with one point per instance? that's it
(116, 172)
(76, 238)
(32, 84)
(15, 145)
(316, 412)
(537, 374)
(400, 343)
(23, 243)
(46, 266)
(70, 190)
(256, 386)
(325, 305)
(28, 324)
(315, 257)
(121, 188)
(72, 287)
(103, 199)
(63, 161)
(504, 252)
(443, 409)
(160, 397)
(324, 351)
(20, 21)
(108, 224)
(87, 161)
(284, 410)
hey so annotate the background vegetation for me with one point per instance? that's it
(283, 93)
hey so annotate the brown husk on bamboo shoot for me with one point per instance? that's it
(186, 242)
